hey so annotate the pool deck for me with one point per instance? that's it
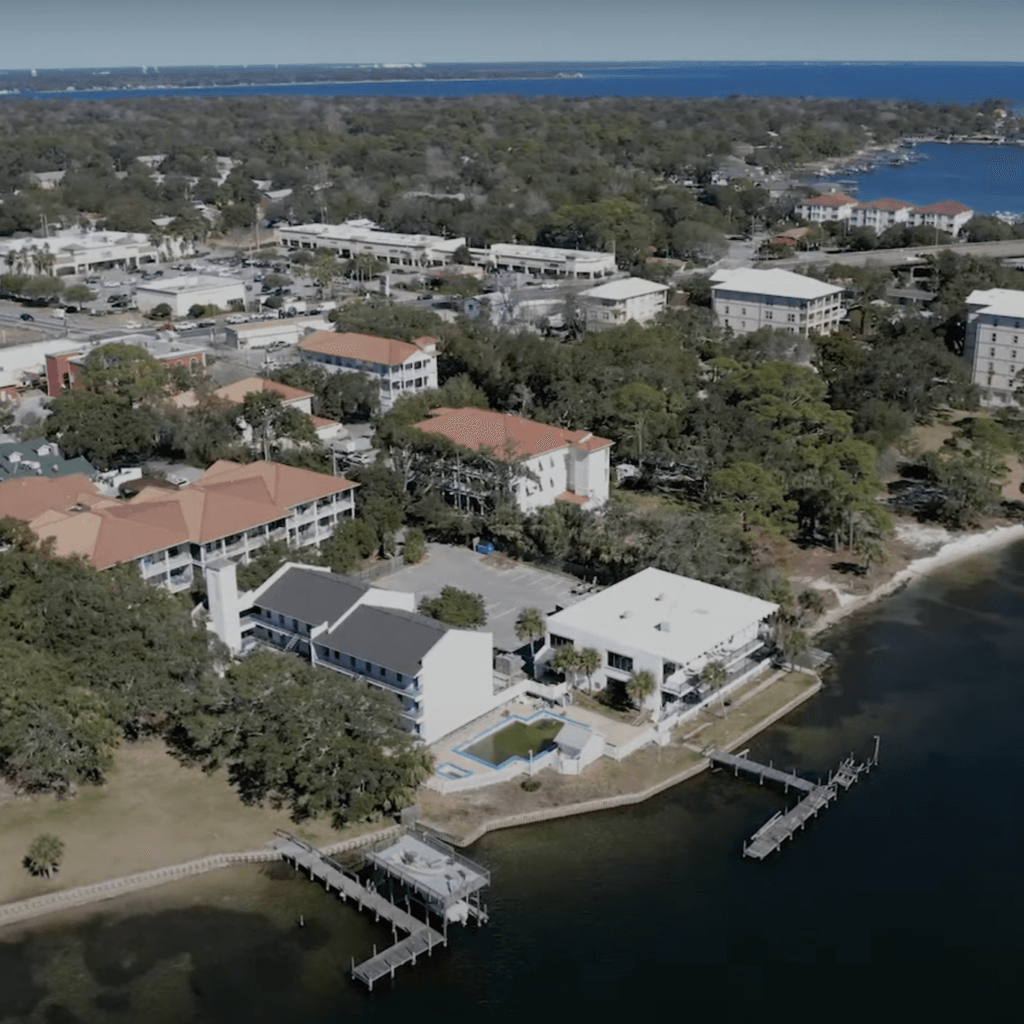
(445, 751)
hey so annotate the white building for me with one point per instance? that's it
(362, 237)
(994, 342)
(182, 293)
(835, 206)
(288, 330)
(399, 367)
(948, 216)
(546, 260)
(665, 624)
(880, 214)
(747, 300)
(76, 252)
(620, 301)
(441, 677)
(552, 464)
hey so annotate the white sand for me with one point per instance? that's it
(955, 548)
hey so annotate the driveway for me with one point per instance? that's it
(506, 591)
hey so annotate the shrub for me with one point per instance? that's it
(530, 785)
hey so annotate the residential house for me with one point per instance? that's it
(440, 677)
(668, 625)
(994, 342)
(551, 463)
(948, 216)
(40, 458)
(399, 367)
(232, 511)
(294, 398)
(618, 302)
(747, 300)
(880, 214)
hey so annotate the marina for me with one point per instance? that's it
(785, 824)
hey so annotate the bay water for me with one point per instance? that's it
(650, 909)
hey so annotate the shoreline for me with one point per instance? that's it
(956, 549)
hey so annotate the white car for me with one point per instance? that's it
(133, 325)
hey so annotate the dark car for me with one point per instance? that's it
(27, 316)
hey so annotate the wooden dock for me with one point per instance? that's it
(785, 824)
(421, 937)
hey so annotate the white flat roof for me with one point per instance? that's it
(630, 288)
(773, 282)
(544, 252)
(998, 301)
(364, 231)
(699, 616)
(193, 282)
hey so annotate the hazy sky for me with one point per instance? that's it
(97, 33)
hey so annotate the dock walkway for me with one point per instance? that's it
(421, 938)
(739, 763)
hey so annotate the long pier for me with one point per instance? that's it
(785, 824)
(397, 862)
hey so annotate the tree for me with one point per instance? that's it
(414, 546)
(126, 371)
(714, 675)
(640, 687)
(271, 421)
(588, 661)
(456, 607)
(530, 626)
(161, 311)
(105, 429)
(44, 855)
(353, 541)
(566, 660)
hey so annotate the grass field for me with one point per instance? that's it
(151, 813)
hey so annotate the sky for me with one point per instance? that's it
(114, 33)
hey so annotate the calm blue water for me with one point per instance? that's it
(928, 82)
(651, 911)
(986, 178)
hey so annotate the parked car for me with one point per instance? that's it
(27, 316)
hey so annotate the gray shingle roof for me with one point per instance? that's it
(386, 636)
(311, 596)
(28, 462)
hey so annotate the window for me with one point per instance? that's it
(993, 337)
(559, 641)
(791, 318)
(991, 351)
(620, 662)
(768, 315)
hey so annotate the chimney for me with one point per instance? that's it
(222, 593)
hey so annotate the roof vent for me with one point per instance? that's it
(626, 614)
(660, 597)
(665, 627)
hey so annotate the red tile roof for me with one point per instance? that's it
(29, 497)
(833, 199)
(948, 208)
(484, 428)
(572, 498)
(884, 204)
(364, 347)
(236, 392)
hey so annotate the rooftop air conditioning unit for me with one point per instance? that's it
(665, 627)
(14, 457)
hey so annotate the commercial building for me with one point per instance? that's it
(668, 625)
(550, 463)
(618, 302)
(546, 260)
(994, 342)
(180, 294)
(77, 252)
(441, 677)
(399, 367)
(22, 366)
(363, 238)
(285, 331)
(173, 535)
(64, 368)
(747, 300)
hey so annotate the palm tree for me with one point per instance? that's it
(589, 661)
(44, 855)
(714, 675)
(567, 660)
(530, 626)
(640, 686)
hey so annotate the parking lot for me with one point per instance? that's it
(506, 591)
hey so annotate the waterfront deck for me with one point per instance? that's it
(421, 937)
(785, 824)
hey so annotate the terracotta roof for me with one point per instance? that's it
(884, 204)
(483, 428)
(319, 423)
(28, 498)
(834, 199)
(228, 499)
(572, 497)
(949, 208)
(236, 392)
(364, 347)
